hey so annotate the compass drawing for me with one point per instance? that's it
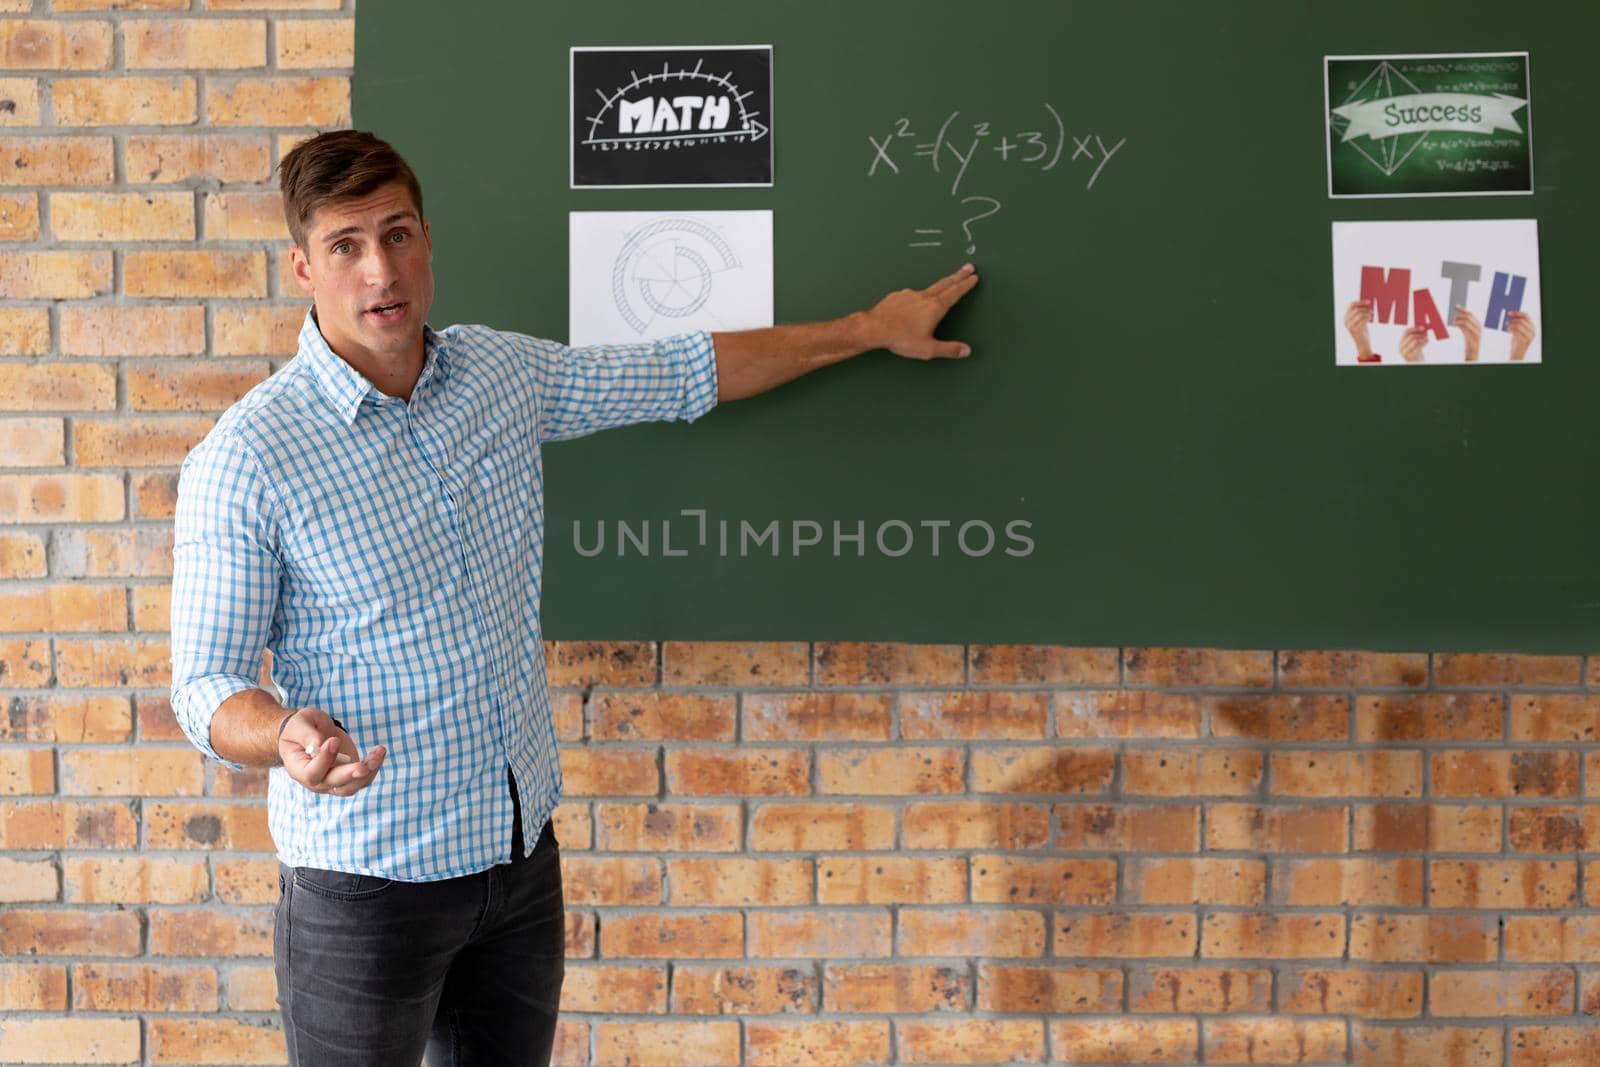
(667, 268)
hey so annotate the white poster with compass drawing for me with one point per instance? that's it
(640, 275)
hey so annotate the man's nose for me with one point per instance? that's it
(380, 268)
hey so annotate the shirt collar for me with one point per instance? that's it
(347, 388)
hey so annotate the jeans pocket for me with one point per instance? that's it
(341, 885)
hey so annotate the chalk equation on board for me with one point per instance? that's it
(955, 148)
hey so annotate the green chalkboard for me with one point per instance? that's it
(1153, 388)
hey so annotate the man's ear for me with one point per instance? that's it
(302, 268)
(427, 235)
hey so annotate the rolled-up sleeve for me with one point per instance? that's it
(596, 387)
(225, 582)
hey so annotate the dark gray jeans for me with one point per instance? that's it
(378, 972)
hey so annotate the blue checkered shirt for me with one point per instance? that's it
(389, 553)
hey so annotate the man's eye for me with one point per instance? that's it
(399, 236)
(341, 248)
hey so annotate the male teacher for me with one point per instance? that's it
(374, 514)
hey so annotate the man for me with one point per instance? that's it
(373, 513)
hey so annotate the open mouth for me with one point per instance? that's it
(387, 312)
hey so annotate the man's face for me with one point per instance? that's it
(363, 255)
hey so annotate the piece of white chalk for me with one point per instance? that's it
(311, 750)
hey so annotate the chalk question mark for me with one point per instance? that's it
(966, 226)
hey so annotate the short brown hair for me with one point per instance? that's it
(338, 165)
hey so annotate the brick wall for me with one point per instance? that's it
(775, 854)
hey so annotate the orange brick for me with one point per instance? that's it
(19, 217)
(168, 158)
(1203, 990)
(713, 989)
(1555, 717)
(892, 880)
(54, 275)
(24, 664)
(729, 663)
(1264, 935)
(1185, 667)
(854, 663)
(1322, 882)
(1503, 884)
(1340, 774)
(1195, 881)
(135, 442)
(133, 331)
(1500, 773)
(122, 217)
(1480, 993)
(41, 1040)
(58, 386)
(245, 217)
(194, 274)
(64, 608)
(1273, 1040)
(1280, 717)
(817, 716)
(825, 1044)
(1000, 879)
(1048, 989)
(21, 556)
(135, 880)
(819, 934)
(664, 1042)
(575, 663)
(738, 772)
(1125, 1041)
(24, 331)
(273, 331)
(667, 827)
(212, 386)
(1547, 829)
(1431, 717)
(1191, 772)
(658, 716)
(1427, 827)
(1125, 713)
(834, 827)
(1436, 1046)
(1276, 828)
(36, 44)
(610, 880)
(155, 495)
(895, 987)
(68, 932)
(27, 772)
(971, 1041)
(33, 987)
(1491, 669)
(1132, 935)
(307, 43)
(1554, 1046)
(739, 882)
(897, 770)
(123, 101)
(1043, 665)
(33, 442)
(60, 498)
(318, 102)
(614, 990)
(55, 160)
(1043, 769)
(113, 663)
(182, 824)
(58, 825)
(1552, 939)
(927, 716)
(970, 824)
(1368, 994)
(194, 44)
(162, 772)
(672, 936)
(66, 718)
(574, 826)
(592, 772)
(1423, 938)
(1352, 670)
(1127, 827)
(23, 93)
(992, 932)
(136, 553)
